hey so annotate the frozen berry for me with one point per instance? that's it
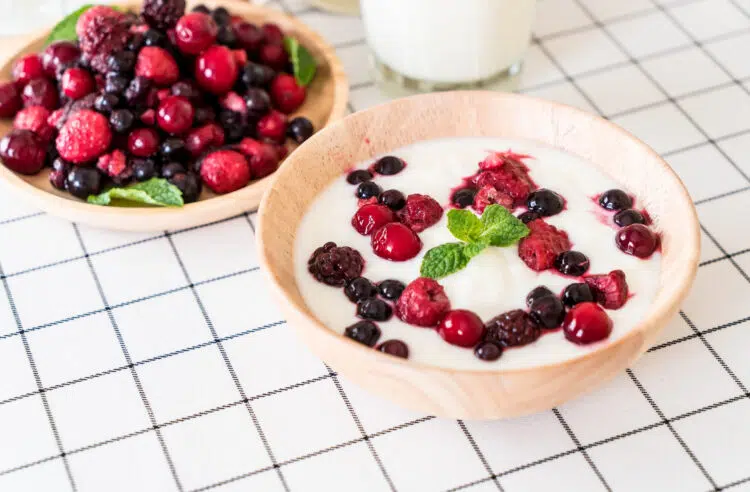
(396, 348)
(121, 120)
(395, 242)
(27, 68)
(201, 8)
(83, 181)
(162, 14)
(186, 89)
(576, 294)
(272, 127)
(542, 246)
(372, 217)
(587, 323)
(464, 197)
(636, 240)
(249, 36)
(572, 263)
(189, 184)
(374, 309)
(286, 93)
(256, 75)
(175, 115)
(143, 142)
(274, 55)
(201, 139)
(257, 102)
(548, 311)
(121, 62)
(545, 202)
(34, 118)
(114, 165)
(106, 103)
(84, 137)
(195, 32)
(423, 303)
(263, 157)
(527, 217)
(101, 31)
(174, 149)
(216, 70)
(221, 16)
(610, 290)
(538, 293)
(76, 83)
(393, 199)
(300, 129)
(272, 33)
(226, 36)
(461, 327)
(489, 195)
(626, 217)
(59, 174)
(115, 83)
(225, 171)
(391, 289)
(23, 151)
(157, 65)
(40, 92)
(233, 102)
(10, 100)
(59, 56)
(358, 176)
(488, 351)
(615, 200)
(170, 169)
(420, 212)
(144, 169)
(334, 265)
(389, 165)
(364, 332)
(360, 288)
(511, 329)
(367, 189)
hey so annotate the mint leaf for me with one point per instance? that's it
(155, 191)
(500, 227)
(65, 30)
(448, 258)
(303, 62)
(464, 225)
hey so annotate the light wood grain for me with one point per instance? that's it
(493, 393)
(326, 102)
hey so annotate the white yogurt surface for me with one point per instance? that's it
(496, 280)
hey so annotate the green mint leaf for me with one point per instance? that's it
(464, 225)
(448, 258)
(500, 227)
(155, 191)
(302, 61)
(65, 30)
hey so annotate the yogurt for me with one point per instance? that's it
(496, 280)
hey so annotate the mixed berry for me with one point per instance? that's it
(198, 98)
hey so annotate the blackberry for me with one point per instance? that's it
(396, 348)
(359, 288)
(374, 309)
(189, 184)
(334, 265)
(121, 120)
(143, 169)
(391, 289)
(364, 332)
(512, 329)
(359, 176)
(162, 14)
(121, 62)
(393, 199)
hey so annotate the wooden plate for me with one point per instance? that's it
(326, 102)
(478, 394)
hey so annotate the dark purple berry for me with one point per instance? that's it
(121, 62)
(144, 169)
(548, 311)
(256, 75)
(572, 263)
(538, 293)
(203, 114)
(171, 169)
(202, 9)
(300, 129)
(189, 184)
(174, 150)
(511, 329)
(545, 202)
(576, 294)
(121, 120)
(396, 348)
(152, 37)
(138, 90)
(187, 90)
(393, 199)
(106, 103)
(84, 181)
(114, 83)
(59, 173)
(358, 176)
(221, 16)
(334, 265)
(364, 332)
(527, 217)
(234, 125)
(488, 351)
(375, 309)
(359, 288)
(226, 36)
(615, 200)
(464, 197)
(258, 102)
(389, 165)
(624, 218)
(368, 189)
(391, 289)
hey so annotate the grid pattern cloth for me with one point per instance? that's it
(157, 362)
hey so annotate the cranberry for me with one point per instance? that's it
(389, 165)
(272, 127)
(143, 142)
(374, 309)
(488, 351)
(368, 189)
(587, 323)
(576, 294)
(615, 200)
(360, 288)
(76, 83)
(396, 348)
(636, 240)
(26, 69)
(396, 242)
(464, 197)
(364, 332)
(249, 36)
(391, 289)
(10, 100)
(272, 33)
(461, 327)
(23, 151)
(216, 70)
(58, 56)
(358, 176)
(40, 92)
(300, 129)
(548, 311)
(200, 139)
(626, 217)
(274, 56)
(175, 115)
(372, 217)
(195, 32)
(527, 217)
(573, 263)
(538, 293)
(393, 199)
(287, 94)
(545, 202)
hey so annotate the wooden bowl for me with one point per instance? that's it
(326, 102)
(484, 394)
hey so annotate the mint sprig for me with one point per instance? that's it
(156, 191)
(303, 63)
(497, 227)
(65, 30)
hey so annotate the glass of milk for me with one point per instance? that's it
(447, 44)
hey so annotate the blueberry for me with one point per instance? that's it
(226, 36)
(258, 102)
(358, 176)
(114, 83)
(375, 309)
(615, 200)
(577, 293)
(389, 165)
(138, 89)
(368, 189)
(234, 125)
(173, 150)
(121, 62)
(396, 348)
(360, 288)
(300, 129)
(364, 332)
(189, 184)
(105, 103)
(256, 75)
(391, 289)
(393, 199)
(538, 293)
(548, 311)
(221, 16)
(464, 197)
(136, 42)
(488, 351)
(84, 181)
(203, 115)
(545, 202)
(59, 174)
(144, 169)
(202, 9)
(121, 120)
(186, 90)
(152, 37)
(527, 217)
(573, 263)
(626, 217)
(171, 169)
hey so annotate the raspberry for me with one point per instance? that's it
(34, 118)
(101, 31)
(225, 171)
(286, 93)
(113, 164)
(158, 65)
(420, 212)
(371, 217)
(263, 157)
(423, 303)
(505, 172)
(610, 290)
(84, 137)
(512, 329)
(488, 195)
(335, 265)
(499, 159)
(162, 14)
(540, 248)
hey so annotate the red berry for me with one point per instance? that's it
(512, 329)
(423, 303)
(586, 323)
(637, 240)
(195, 32)
(272, 127)
(262, 157)
(84, 137)
(58, 55)
(249, 36)
(396, 242)
(175, 115)
(372, 217)
(76, 83)
(27, 68)
(274, 55)
(610, 290)
(40, 92)
(10, 100)
(420, 212)
(240, 57)
(143, 142)
(102, 31)
(540, 248)
(162, 94)
(216, 70)
(489, 195)
(158, 65)
(225, 171)
(234, 102)
(113, 164)
(287, 95)
(272, 33)
(461, 327)
(200, 139)
(148, 117)
(23, 151)
(162, 14)
(35, 118)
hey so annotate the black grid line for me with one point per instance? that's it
(480, 455)
(581, 449)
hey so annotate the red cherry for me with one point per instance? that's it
(143, 142)
(636, 240)
(249, 36)
(200, 139)
(272, 127)
(461, 327)
(195, 32)
(23, 151)
(40, 92)
(175, 115)
(76, 83)
(274, 55)
(272, 33)
(586, 323)
(10, 100)
(372, 217)
(27, 68)
(286, 93)
(58, 55)
(216, 69)
(262, 157)
(396, 242)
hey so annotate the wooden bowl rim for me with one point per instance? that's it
(76, 210)
(685, 279)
